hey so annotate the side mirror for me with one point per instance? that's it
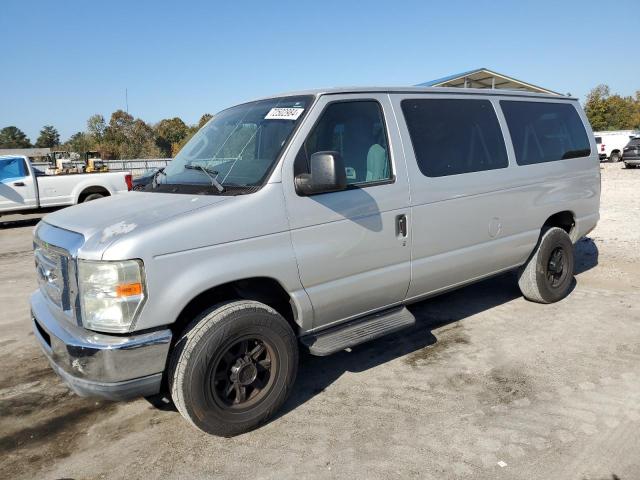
(327, 175)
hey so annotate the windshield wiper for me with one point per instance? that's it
(208, 172)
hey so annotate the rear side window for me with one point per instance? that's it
(545, 132)
(452, 136)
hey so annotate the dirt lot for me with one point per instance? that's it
(487, 386)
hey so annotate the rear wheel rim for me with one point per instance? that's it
(242, 374)
(557, 268)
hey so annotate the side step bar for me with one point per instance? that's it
(335, 339)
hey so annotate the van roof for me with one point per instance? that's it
(449, 90)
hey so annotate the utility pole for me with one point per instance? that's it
(126, 99)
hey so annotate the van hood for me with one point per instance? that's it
(101, 221)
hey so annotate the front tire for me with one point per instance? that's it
(548, 275)
(233, 367)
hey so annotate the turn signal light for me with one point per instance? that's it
(128, 289)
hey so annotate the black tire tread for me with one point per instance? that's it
(211, 318)
(528, 276)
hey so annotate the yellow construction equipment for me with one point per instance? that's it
(93, 162)
(62, 163)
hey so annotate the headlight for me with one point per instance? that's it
(111, 294)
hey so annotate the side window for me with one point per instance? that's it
(12, 168)
(356, 130)
(545, 132)
(452, 136)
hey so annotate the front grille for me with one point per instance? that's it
(55, 252)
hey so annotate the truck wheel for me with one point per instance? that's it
(614, 157)
(233, 367)
(92, 196)
(548, 275)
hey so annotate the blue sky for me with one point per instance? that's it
(64, 61)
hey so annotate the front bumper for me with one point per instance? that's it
(95, 364)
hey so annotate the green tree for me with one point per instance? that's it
(635, 120)
(140, 141)
(191, 131)
(596, 107)
(80, 143)
(116, 134)
(96, 127)
(120, 120)
(176, 147)
(204, 119)
(170, 132)
(13, 137)
(612, 112)
(126, 137)
(49, 137)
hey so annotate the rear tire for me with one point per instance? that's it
(614, 157)
(548, 275)
(92, 196)
(233, 367)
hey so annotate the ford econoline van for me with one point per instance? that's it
(308, 220)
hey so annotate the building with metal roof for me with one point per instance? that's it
(32, 153)
(485, 78)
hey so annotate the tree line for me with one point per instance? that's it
(122, 137)
(127, 137)
(607, 111)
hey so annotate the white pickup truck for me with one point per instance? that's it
(25, 189)
(610, 144)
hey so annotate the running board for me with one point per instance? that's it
(335, 339)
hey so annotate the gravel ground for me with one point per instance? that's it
(487, 386)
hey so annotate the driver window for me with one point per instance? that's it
(12, 168)
(355, 130)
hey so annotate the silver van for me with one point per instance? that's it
(308, 220)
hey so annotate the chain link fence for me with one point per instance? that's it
(136, 166)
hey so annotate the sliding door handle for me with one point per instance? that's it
(401, 226)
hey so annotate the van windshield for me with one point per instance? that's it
(236, 149)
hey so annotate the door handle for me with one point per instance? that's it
(18, 184)
(401, 226)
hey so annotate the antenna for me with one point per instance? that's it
(126, 99)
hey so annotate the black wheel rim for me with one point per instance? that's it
(242, 373)
(557, 267)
